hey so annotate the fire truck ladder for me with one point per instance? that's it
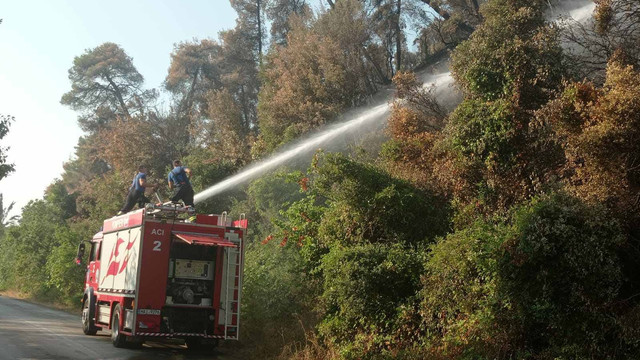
(232, 292)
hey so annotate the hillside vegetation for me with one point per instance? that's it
(508, 228)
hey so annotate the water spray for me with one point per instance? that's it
(360, 121)
(293, 151)
(440, 83)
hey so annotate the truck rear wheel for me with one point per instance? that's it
(199, 345)
(193, 344)
(88, 315)
(117, 338)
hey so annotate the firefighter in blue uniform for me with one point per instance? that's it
(178, 179)
(136, 191)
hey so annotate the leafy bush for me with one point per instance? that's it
(363, 288)
(357, 232)
(369, 205)
(36, 256)
(277, 298)
(350, 203)
(540, 283)
(459, 300)
(512, 55)
(29, 246)
(599, 128)
(561, 273)
(64, 274)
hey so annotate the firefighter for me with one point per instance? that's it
(178, 179)
(136, 191)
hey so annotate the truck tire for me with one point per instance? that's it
(198, 345)
(193, 344)
(88, 315)
(117, 338)
(135, 342)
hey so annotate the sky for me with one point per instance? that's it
(38, 42)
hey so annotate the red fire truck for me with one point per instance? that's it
(159, 273)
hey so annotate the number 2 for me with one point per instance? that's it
(157, 245)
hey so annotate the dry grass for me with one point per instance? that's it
(311, 349)
(39, 301)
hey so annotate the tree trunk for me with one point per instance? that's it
(116, 91)
(376, 66)
(398, 35)
(260, 35)
(389, 52)
(192, 90)
(245, 112)
(446, 16)
(331, 3)
(476, 7)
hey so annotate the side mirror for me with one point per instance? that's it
(80, 254)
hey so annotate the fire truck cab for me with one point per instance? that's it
(154, 274)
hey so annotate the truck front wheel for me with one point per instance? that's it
(88, 314)
(117, 338)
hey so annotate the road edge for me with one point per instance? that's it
(54, 306)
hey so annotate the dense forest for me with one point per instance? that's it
(507, 228)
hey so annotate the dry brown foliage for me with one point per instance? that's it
(312, 349)
(127, 144)
(600, 128)
(415, 126)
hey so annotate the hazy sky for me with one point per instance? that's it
(38, 41)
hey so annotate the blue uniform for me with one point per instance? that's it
(136, 182)
(136, 194)
(183, 190)
(178, 176)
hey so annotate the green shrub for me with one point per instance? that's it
(277, 299)
(64, 275)
(459, 299)
(364, 286)
(540, 283)
(366, 205)
(561, 273)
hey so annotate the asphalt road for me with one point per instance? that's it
(29, 331)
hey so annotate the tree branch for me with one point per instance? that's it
(119, 96)
(443, 13)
